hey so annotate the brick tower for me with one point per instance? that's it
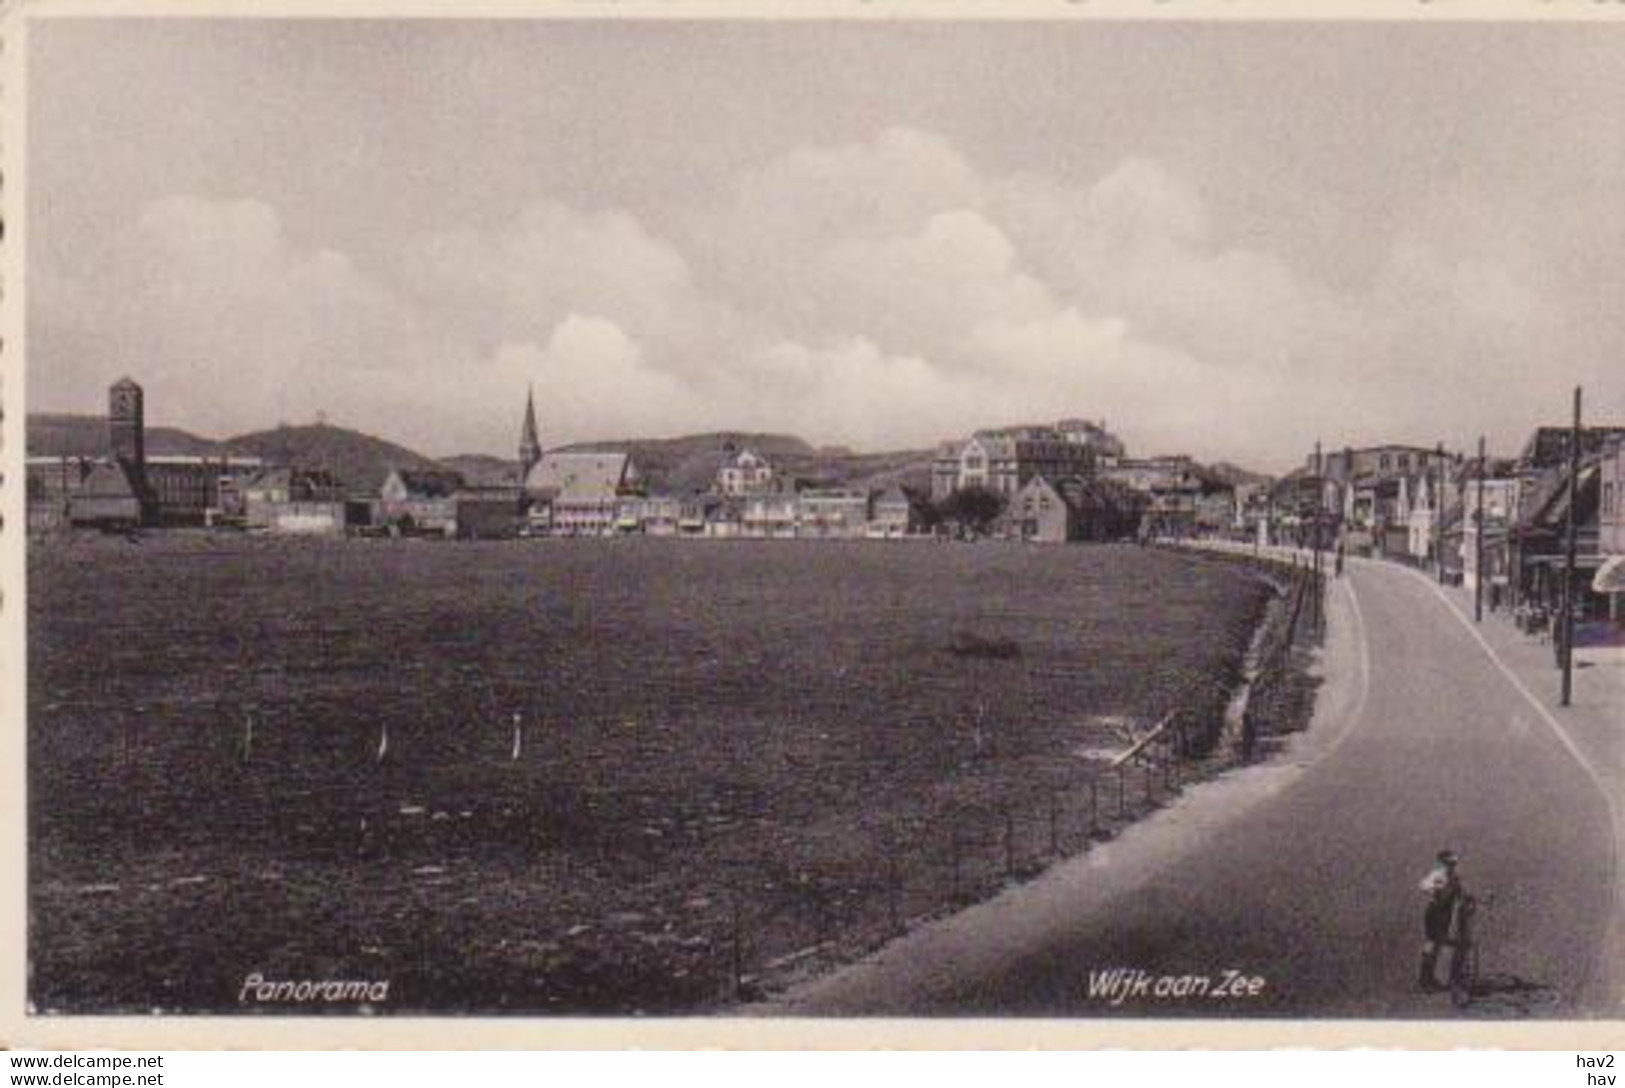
(127, 427)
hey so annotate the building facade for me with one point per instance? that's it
(1071, 509)
(1004, 460)
(420, 501)
(895, 513)
(832, 513)
(579, 492)
(771, 516)
(1610, 577)
(745, 473)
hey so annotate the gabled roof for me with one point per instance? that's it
(577, 472)
(269, 478)
(1545, 503)
(108, 480)
(995, 444)
(1549, 446)
(746, 458)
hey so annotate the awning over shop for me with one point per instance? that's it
(1581, 562)
(1610, 576)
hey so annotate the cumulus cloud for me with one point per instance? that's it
(552, 260)
(878, 293)
(231, 326)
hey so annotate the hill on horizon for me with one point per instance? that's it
(689, 464)
(360, 461)
(64, 434)
(682, 465)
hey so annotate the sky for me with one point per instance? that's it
(1227, 240)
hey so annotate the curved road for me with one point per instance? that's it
(1304, 873)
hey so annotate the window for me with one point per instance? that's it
(1382, 463)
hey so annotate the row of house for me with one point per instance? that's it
(1182, 497)
(131, 489)
(602, 493)
(1500, 520)
(578, 493)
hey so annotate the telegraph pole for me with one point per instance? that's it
(1320, 517)
(1438, 513)
(1478, 541)
(1568, 566)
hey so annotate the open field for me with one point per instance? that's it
(737, 757)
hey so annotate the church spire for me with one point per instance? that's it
(530, 445)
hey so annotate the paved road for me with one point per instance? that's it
(1304, 874)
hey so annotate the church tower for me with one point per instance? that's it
(530, 444)
(127, 427)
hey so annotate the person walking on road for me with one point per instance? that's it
(1444, 891)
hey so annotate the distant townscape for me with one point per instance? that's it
(1069, 481)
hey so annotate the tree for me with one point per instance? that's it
(973, 508)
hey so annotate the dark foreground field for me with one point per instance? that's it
(739, 759)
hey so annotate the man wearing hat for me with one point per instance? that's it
(1444, 890)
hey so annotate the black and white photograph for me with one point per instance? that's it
(819, 519)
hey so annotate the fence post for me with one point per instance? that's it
(1094, 805)
(1122, 787)
(1150, 796)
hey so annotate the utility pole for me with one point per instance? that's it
(1438, 513)
(1568, 566)
(1478, 541)
(1320, 517)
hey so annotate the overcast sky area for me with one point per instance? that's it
(1226, 240)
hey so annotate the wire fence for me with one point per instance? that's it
(966, 854)
(1303, 604)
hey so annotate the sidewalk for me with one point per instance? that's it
(1596, 716)
(1593, 725)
